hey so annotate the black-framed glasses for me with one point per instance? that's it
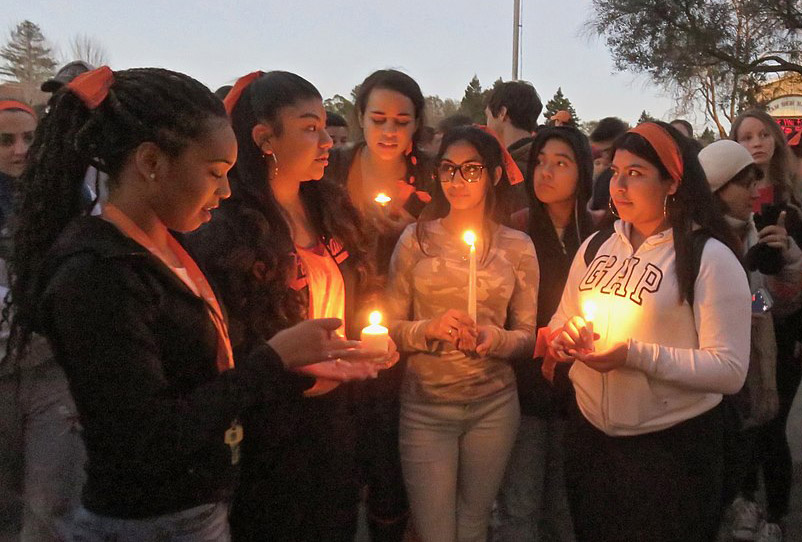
(470, 171)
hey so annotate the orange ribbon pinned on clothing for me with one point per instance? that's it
(508, 162)
(93, 86)
(194, 278)
(665, 147)
(239, 87)
(6, 105)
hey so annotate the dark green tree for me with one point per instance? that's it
(645, 117)
(560, 103)
(473, 102)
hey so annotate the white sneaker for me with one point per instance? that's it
(769, 532)
(745, 519)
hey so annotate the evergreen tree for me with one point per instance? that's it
(645, 117)
(560, 103)
(28, 59)
(473, 102)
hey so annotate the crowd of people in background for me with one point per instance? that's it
(611, 354)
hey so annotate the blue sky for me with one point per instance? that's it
(335, 44)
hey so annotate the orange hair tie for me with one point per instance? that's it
(239, 87)
(513, 172)
(665, 147)
(93, 86)
(6, 105)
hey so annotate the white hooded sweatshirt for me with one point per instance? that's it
(681, 358)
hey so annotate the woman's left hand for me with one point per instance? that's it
(605, 361)
(485, 340)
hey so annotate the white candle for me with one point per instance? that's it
(375, 336)
(383, 199)
(470, 238)
(589, 313)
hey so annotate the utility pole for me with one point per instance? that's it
(516, 34)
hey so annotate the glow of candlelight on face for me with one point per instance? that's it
(382, 199)
(375, 336)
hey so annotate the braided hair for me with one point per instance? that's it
(154, 105)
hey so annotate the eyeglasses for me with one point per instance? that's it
(470, 171)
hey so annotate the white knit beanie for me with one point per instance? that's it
(722, 160)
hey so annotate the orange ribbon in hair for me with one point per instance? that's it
(795, 140)
(92, 87)
(239, 87)
(6, 105)
(665, 147)
(513, 172)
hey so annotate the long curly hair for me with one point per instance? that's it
(154, 105)
(253, 273)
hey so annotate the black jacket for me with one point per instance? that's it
(139, 351)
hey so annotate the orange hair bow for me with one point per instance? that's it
(93, 86)
(239, 87)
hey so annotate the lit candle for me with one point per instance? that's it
(589, 313)
(375, 336)
(470, 238)
(382, 199)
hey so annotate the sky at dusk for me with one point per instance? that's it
(336, 44)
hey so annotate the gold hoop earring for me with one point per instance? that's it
(612, 209)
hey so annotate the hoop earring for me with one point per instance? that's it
(665, 205)
(271, 155)
(612, 209)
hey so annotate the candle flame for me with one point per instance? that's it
(382, 199)
(589, 310)
(375, 318)
(469, 237)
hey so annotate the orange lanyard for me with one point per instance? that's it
(194, 278)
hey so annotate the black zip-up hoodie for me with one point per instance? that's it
(139, 351)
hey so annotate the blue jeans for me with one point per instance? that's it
(205, 523)
(453, 458)
(532, 503)
(41, 454)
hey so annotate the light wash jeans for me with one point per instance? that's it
(532, 504)
(453, 458)
(41, 454)
(204, 523)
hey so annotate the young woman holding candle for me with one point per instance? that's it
(758, 132)
(128, 313)
(532, 499)
(285, 247)
(459, 409)
(388, 162)
(644, 448)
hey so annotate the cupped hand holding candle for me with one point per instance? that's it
(375, 336)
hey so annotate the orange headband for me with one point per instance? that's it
(6, 105)
(239, 87)
(513, 172)
(92, 87)
(665, 147)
